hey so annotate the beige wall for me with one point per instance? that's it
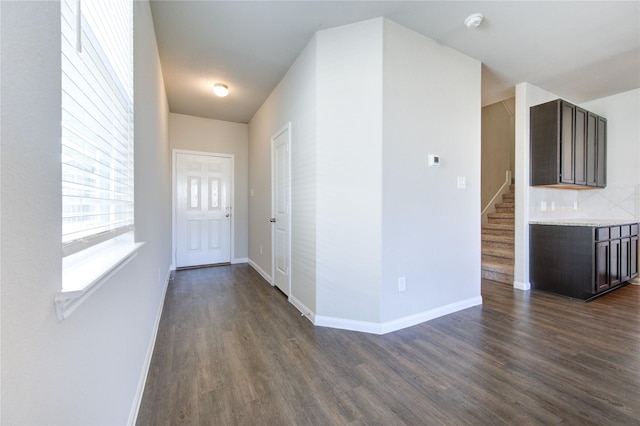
(220, 137)
(498, 147)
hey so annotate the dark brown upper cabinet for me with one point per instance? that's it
(568, 146)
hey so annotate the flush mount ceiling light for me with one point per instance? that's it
(220, 89)
(474, 20)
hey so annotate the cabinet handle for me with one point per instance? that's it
(608, 265)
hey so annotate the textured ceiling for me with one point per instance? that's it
(580, 50)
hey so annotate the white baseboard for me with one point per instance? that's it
(304, 310)
(346, 324)
(260, 271)
(411, 320)
(398, 324)
(520, 285)
(239, 260)
(137, 400)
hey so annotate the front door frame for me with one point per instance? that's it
(174, 199)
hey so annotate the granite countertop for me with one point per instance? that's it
(583, 222)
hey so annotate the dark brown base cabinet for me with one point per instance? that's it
(582, 262)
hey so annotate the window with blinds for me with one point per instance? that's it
(97, 121)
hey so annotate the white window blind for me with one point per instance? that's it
(97, 121)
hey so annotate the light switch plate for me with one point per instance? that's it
(462, 182)
(434, 160)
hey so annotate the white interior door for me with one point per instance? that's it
(281, 210)
(203, 210)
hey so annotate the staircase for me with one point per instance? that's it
(497, 240)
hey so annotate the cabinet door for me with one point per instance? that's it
(591, 148)
(602, 266)
(580, 145)
(545, 154)
(601, 152)
(566, 143)
(625, 259)
(614, 262)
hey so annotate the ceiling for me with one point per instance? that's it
(579, 50)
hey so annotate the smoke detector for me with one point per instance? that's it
(474, 20)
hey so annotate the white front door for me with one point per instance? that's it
(203, 210)
(281, 206)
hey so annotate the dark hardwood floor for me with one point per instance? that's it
(232, 351)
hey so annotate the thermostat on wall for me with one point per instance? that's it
(434, 160)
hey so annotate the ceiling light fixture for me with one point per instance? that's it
(474, 20)
(220, 89)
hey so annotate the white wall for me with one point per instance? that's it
(621, 198)
(222, 137)
(372, 99)
(349, 171)
(430, 229)
(88, 369)
(294, 101)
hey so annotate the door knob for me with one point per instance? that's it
(272, 220)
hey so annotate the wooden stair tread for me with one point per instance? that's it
(497, 277)
(510, 215)
(506, 205)
(489, 260)
(497, 238)
(498, 267)
(489, 228)
(504, 244)
(498, 252)
(497, 226)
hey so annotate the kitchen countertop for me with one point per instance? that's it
(582, 222)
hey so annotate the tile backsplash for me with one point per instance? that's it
(613, 202)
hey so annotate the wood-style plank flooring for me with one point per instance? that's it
(232, 351)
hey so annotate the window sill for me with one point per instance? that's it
(83, 273)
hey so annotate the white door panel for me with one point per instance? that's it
(203, 206)
(281, 202)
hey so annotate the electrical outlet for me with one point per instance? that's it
(543, 206)
(553, 206)
(402, 284)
